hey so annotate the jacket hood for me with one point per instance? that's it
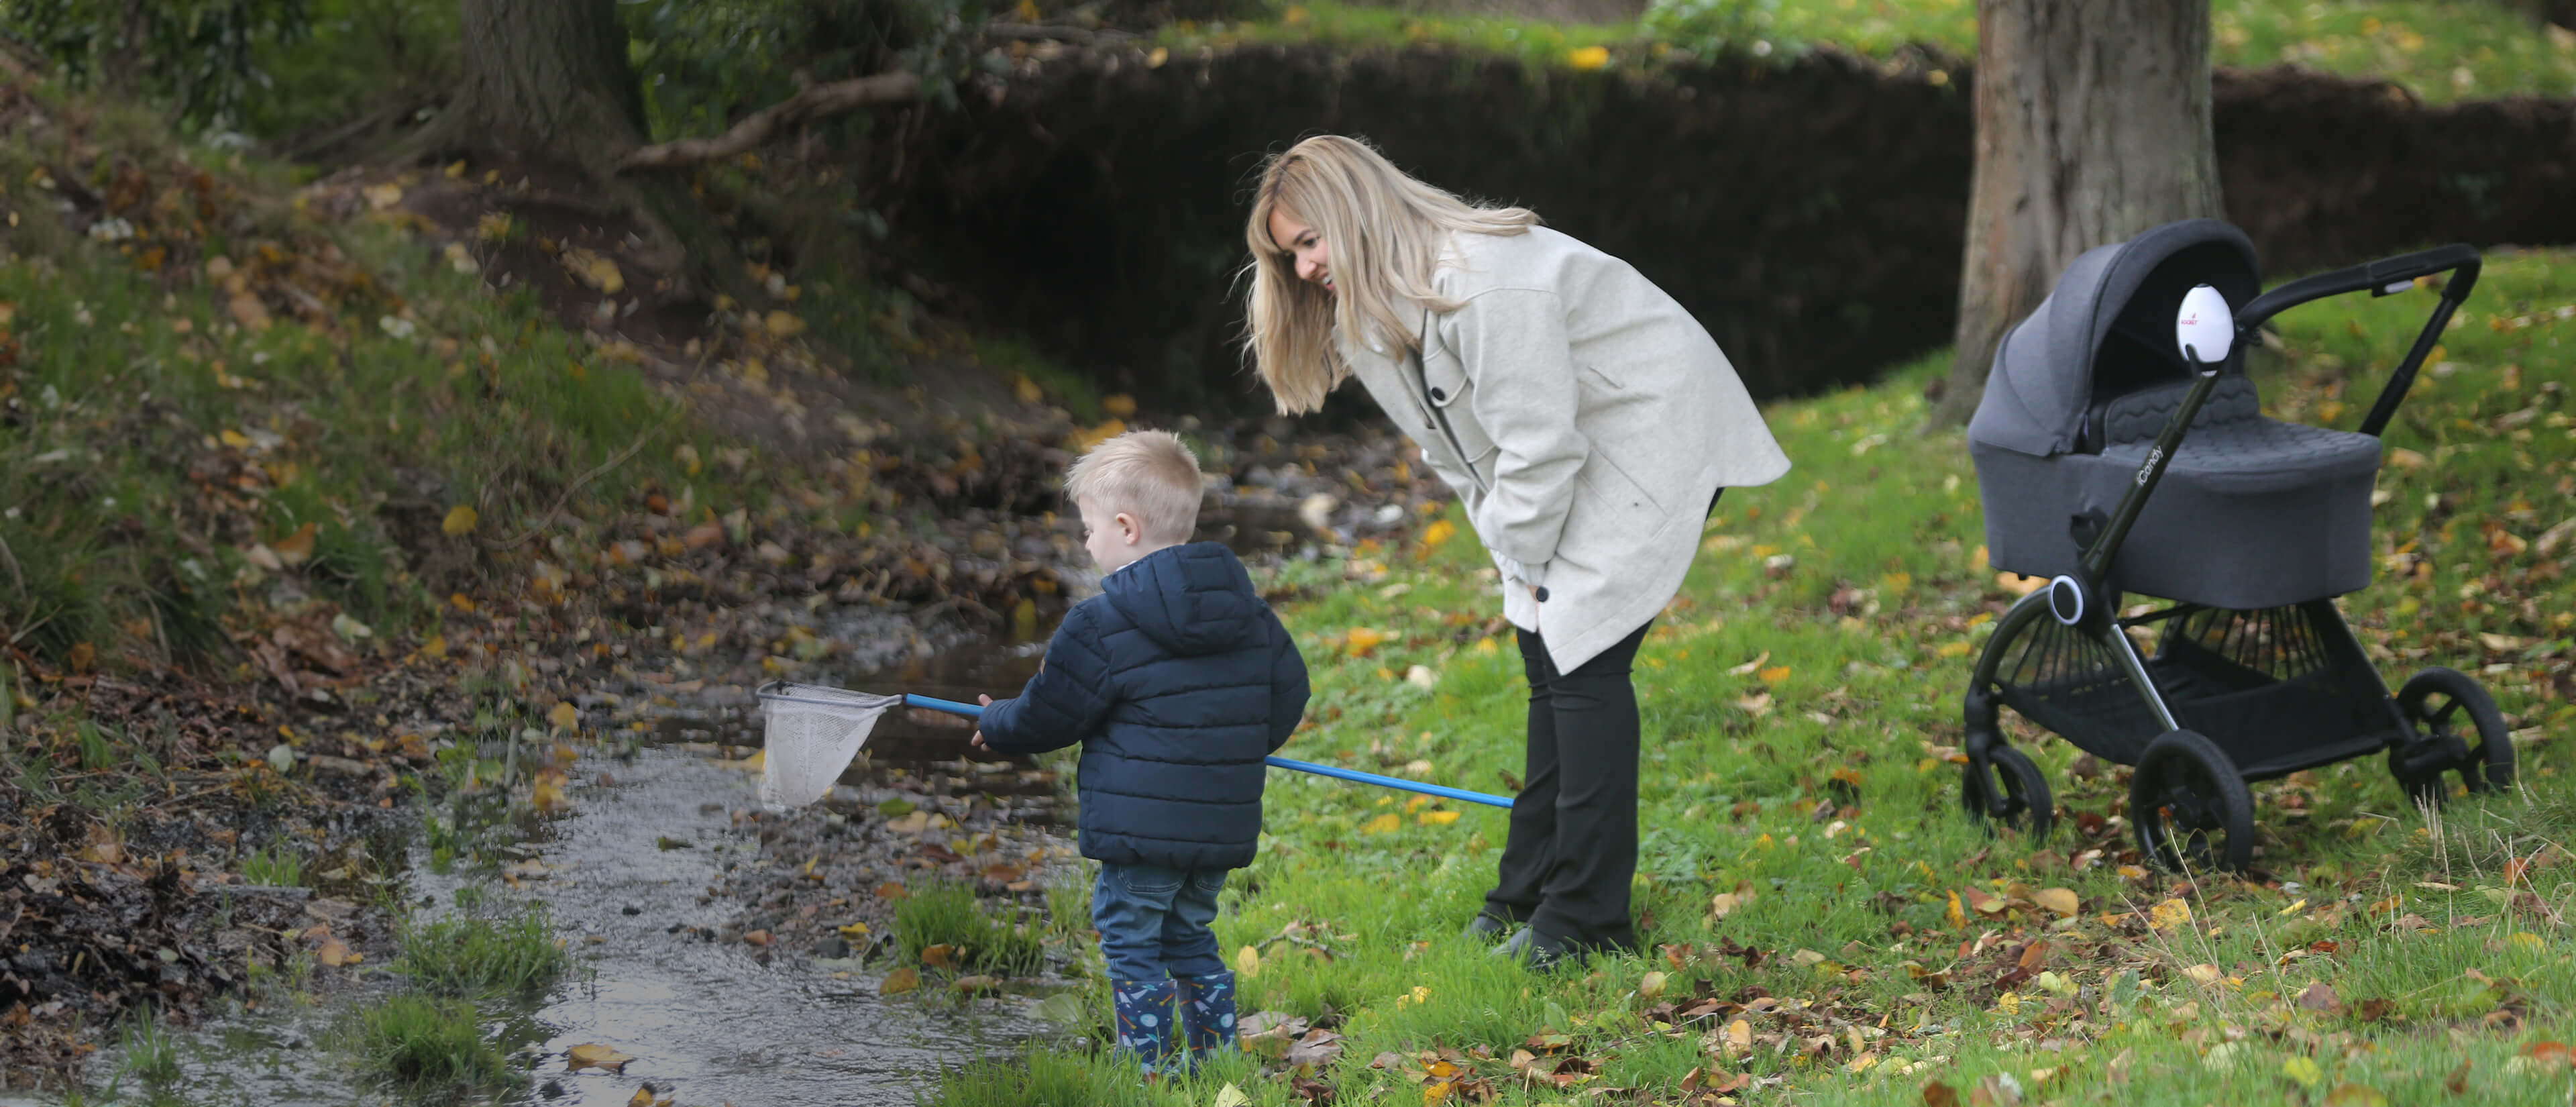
(1191, 600)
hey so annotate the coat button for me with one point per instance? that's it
(1439, 397)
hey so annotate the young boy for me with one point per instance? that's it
(1177, 680)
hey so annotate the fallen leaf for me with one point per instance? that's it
(1724, 903)
(595, 1057)
(972, 984)
(757, 938)
(1651, 986)
(460, 521)
(1247, 963)
(1938, 1094)
(2203, 973)
(1437, 818)
(2349, 1094)
(2320, 997)
(296, 548)
(2458, 1082)
(2304, 1070)
(898, 982)
(335, 953)
(2169, 914)
(565, 716)
(2059, 900)
(1231, 1096)
(941, 956)
(643, 1097)
(382, 196)
(1382, 824)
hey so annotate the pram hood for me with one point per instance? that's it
(2043, 375)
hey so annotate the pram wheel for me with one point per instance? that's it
(2190, 806)
(2433, 700)
(2012, 793)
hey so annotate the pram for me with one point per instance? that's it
(2121, 449)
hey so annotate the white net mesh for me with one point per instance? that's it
(811, 733)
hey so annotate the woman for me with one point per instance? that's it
(1584, 417)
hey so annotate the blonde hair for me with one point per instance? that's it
(1149, 474)
(1384, 230)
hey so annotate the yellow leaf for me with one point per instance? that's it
(600, 1057)
(1119, 405)
(687, 456)
(1651, 986)
(1026, 12)
(2060, 900)
(2169, 914)
(235, 439)
(898, 982)
(2018, 584)
(335, 953)
(1156, 59)
(1438, 818)
(1588, 58)
(436, 647)
(2304, 1070)
(1383, 823)
(1295, 15)
(1361, 640)
(644, 1095)
(1955, 649)
(783, 325)
(382, 196)
(565, 716)
(460, 521)
(1440, 530)
(1956, 915)
(1725, 903)
(2203, 973)
(1775, 674)
(296, 548)
(1027, 390)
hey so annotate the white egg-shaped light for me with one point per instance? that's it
(2205, 325)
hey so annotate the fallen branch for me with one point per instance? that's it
(813, 103)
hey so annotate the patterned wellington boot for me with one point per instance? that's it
(1207, 1013)
(1144, 1015)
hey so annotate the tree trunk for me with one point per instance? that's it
(547, 79)
(2093, 124)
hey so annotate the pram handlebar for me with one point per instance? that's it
(2383, 277)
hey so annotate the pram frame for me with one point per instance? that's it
(2002, 785)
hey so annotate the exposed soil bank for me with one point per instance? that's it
(1811, 215)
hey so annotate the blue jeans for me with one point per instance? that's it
(1153, 921)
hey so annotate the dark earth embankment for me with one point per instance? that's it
(1810, 214)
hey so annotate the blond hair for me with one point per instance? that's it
(1149, 474)
(1384, 230)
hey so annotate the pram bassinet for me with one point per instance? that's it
(2251, 513)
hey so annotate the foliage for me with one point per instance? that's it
(358, 59)
(276, 866)
(416, 1040)
(943, 925)
(477, 956)
(200, 55)
(1825, 924)
(1710, 28)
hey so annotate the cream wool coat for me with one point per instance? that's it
(1583, 416)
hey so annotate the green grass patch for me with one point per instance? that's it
(148, 1050)
(1800, 706)
(277, 865)
(473, 956)
(2440, 50)
(945, 914)
(421, 1041)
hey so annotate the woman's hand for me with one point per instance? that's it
(978, 740)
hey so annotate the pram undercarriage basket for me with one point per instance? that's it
(2114, 460)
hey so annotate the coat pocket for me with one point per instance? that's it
(1613, 487)
(1449, 395)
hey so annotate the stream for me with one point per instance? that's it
(650, 880)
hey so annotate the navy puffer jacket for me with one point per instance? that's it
(1177, 680)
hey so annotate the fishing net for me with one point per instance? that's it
(812, 732)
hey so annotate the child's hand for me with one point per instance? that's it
(978, 740)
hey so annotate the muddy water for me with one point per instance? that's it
(647, 882)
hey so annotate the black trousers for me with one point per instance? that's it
(1572, 848)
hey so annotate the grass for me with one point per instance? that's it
(1814, 660)
(474, 956)
(945, 914)
(279, 865)
(2441, 50)
(421, 1041)
(150, 1051)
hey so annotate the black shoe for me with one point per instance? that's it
(1487, 926)
(1538, 949)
